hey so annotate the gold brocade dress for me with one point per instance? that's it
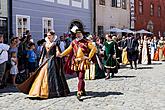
(161, 50)
(50, 80)
(124, 57)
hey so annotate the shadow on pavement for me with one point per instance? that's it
(156, 64)
(91, 94)
(70, 76)
(9, 89)
(145, 68)
(124, 66)
(100, 94)
(124, 76)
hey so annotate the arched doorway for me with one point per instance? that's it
(76, 23)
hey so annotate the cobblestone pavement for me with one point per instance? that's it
(142, 89)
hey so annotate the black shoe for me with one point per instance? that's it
(131, 67)
(84, 93)
(79, 97)
(135, 68)
(112, 76)
(2, 85)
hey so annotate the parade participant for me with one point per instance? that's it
(110, 61)
(132, 50)
(118, 52)
(3, 58)
(121, 44)
(140, 42)
(83, 51)
(123, 51)
(90, 73)
(161, 49)
(49, 78)
(153, 45)
(145, 51)
(99, 64)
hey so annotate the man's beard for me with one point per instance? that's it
(79, 38)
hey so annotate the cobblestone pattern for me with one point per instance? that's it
(142, 89)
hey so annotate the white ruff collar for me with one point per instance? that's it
(48, 43)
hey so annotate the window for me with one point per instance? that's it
(77, 3)
(22, 24)
(159, 11)
(63, 2)
(47, 24)
(140, 7)
(114, 3)
(49, 0)
(151, 9)
(118, 3)
(102, 2)
(150, 26)
(124, 5)
(100, 31)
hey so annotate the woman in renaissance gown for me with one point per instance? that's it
(99, 56)
(145, 51)
(161, 49)
(153, 45)
(49, 81)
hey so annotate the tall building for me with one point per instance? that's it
(111, 13)
(4, 18)
(150, 15)
(40, 16)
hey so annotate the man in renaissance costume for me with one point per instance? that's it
(132, 50)
(83, 51)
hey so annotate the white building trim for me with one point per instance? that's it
(86, 4)
(45, 25)
(22, 26)
(63, 2)
(77, 4)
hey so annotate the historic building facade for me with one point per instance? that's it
(3, 8)
(40, 16)
(150, 15)
(4, 18)
(111, 13)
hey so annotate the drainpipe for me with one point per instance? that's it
(10, 23)
(94, 16)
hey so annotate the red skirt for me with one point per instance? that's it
(156, 55)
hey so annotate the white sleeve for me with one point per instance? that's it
(4, 47)
(103, 48)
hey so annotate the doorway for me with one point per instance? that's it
(4, 28)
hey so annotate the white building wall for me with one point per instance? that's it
(108, 16)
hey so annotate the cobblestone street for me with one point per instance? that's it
(142, 89)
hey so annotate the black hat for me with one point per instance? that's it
(79, 31)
